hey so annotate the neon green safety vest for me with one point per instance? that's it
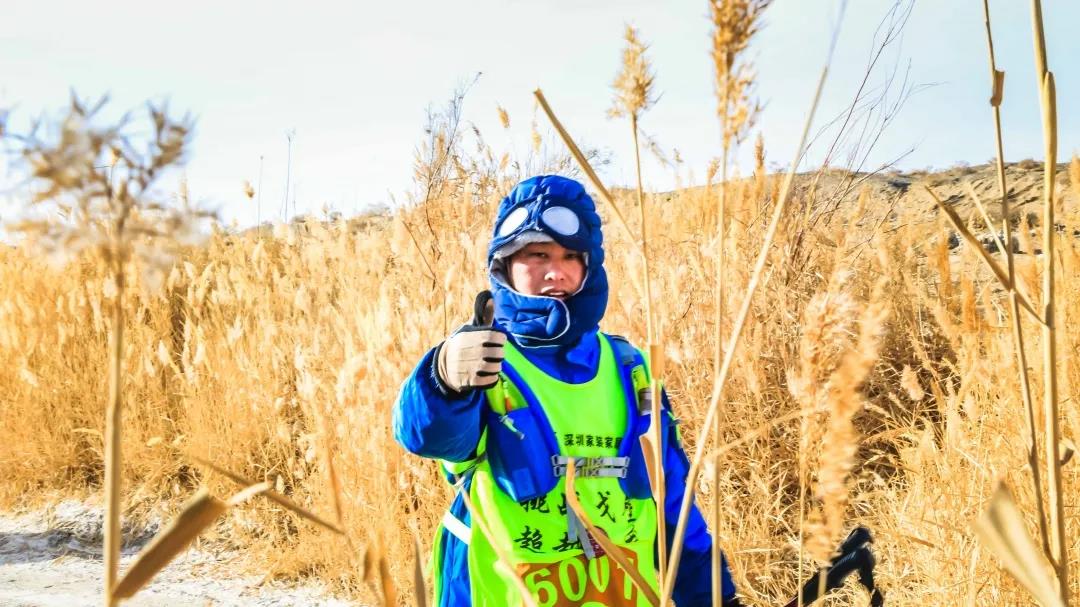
(589, 420)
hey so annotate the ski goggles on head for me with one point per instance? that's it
(559, 221)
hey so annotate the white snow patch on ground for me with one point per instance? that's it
(53, 559)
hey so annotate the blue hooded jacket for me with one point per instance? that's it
(559, 337)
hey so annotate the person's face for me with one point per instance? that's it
(548, 269)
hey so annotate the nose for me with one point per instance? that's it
(556, 271)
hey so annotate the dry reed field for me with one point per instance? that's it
(873, 378)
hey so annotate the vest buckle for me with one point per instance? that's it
(608, 467)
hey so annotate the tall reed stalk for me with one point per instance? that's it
(997, 80)
(113, 217)
(740, 322)
(735, 22)
(113, 438)
(1048, 101)
(633, 95)
(651, 441)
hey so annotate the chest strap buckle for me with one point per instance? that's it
(609, 467)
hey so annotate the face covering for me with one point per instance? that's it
(558, 209)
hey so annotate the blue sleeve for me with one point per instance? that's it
(693, 583)
(432, 421)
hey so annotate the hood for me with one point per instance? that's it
(559, 209)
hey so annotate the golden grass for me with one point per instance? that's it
(279, 356)
(254, 337)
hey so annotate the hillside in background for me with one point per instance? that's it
(896, 195)
(899, 196)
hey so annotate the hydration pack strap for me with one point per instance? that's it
(460, 481)
(612, 467)
(457, 527)
(630, 359)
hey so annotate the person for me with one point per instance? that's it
(506, 400)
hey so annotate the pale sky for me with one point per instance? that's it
(354, 79)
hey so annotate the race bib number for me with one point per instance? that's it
(581, 582)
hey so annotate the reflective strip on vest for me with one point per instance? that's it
(457, 527)
(614, 467)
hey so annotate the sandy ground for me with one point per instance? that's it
(52, 558)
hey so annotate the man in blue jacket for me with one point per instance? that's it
(507, 400)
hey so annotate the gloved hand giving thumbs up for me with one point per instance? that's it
(472, 357)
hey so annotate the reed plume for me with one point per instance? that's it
(633, 85)
(734, 22)
(113, 217)
(834, 366)
(633, 95)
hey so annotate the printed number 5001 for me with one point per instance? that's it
(577, 582)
